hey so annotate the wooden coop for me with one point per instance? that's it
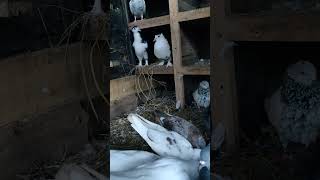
(253, 43)
(188, 28)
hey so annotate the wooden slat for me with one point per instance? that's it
(154, 69)
(224, 86)
(152, 22)
(273, 28)
(176, 50)
(4, 8)
(123, 87)
(195, 70)
(194, 14)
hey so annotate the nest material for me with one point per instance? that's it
(123, 136)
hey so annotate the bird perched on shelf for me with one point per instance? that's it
(137, 8)
(162, 49)
(160, 169)
(163, 141)
(123, 160)
(140, 46)
(182, 127)
(294, 109)
(202, 95)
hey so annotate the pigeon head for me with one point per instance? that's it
(302, 72)
(201, 142)
(135, 29)
(204, 85)
(158, 36)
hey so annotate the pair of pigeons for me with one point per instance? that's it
(161, 48)
(180, 150)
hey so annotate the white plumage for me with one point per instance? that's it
(162, 49)
(162, 141)
(137, 8)
(202, 95)
(140, 47)
(161, 169)
(128, 159)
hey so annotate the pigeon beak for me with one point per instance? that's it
(154, 39)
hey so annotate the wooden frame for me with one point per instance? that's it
(174, 19)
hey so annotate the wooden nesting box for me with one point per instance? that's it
(182, 45)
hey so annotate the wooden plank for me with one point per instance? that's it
(224, 86)
(34, 82)
(152, 22)
(194, 14)
(179, 88)
(43, 138)
(176, 51)
(154, 69)
(273, 28)
(129, 85)
(195, 70)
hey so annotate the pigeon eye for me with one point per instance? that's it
(301, 72)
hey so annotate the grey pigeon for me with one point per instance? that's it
(182, 127)
(140, 47)
(162, 49)
(294, 109)
(137, 8)
(202, 94)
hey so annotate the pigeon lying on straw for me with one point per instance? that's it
(137, 8)
(182, 127)
(163, 142)
(140, 47)
(162, 49)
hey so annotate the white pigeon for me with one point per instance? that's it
(162, 49)
(140, 47)
(162, 141)
(123, 160)
(137, 8)
(202, 95)
(162, 169)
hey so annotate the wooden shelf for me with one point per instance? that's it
(195, 70)
(194, 14)
(152, 22)
(154, 69)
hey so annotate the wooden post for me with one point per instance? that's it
(176, 51)
(225, 100)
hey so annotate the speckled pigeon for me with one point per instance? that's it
(137, 8)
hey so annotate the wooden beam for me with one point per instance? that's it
(152, 22)
(194, 14)
(195, 70)
(298, 27)
(176, 51)
(224, 85)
